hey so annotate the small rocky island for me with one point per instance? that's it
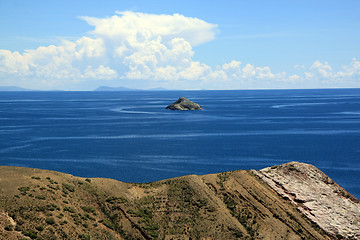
(184, 104)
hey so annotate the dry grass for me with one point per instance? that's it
(41, 204)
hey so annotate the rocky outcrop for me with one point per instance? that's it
(317, 196)
(184, 104)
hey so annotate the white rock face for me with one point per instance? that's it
(316, 196)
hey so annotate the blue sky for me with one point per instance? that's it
(186, 44)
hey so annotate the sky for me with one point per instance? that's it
(233, 44)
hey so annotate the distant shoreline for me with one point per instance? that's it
(124, 89)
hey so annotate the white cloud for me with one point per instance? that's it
(352, 71)
(141, 27)
(157, 49)
(100, 73)
(294, 78)
(321, 74)
(323, 70)
(13, 63)
(298, 66)
(128, 45)
(90, 48)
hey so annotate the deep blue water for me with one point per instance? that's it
(130, 136)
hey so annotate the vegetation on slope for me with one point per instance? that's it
(39, 204)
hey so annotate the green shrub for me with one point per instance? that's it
(230, 203)
(108, 224)
(41, 209)
(84, 236)
(30, 233)
(339, 236)
(344, 194)
(8, 228)
(89, 209)
(88, 180)
(292, 168)
(154, 234)
(150, 226)
(77, 219)
(116, 200)
(50, 221)
(68, 187)
(130, 211)
(24, 189)
(69, 209)
(64, 222)
(18, 228)
(144, 213)
(39, 228)
(51, 207)
(41, 197)
(37, 178)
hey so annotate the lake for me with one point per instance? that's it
(131, 137)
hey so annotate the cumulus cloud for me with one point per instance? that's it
(352, 71)
(125, 46)
(321, 74)
(157, 49)
(56, 62)
(141, 27)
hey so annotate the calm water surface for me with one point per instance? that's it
(130, 136)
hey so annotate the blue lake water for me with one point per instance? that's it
(130, 136)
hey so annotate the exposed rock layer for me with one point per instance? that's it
(316, 196)
(184, 104)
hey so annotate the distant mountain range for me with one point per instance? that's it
(20, 89)
(99, 89)
(108, 89)
(14, 89)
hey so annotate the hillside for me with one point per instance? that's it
(41, 204)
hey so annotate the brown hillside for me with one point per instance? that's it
(40, 204)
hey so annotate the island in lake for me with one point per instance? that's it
(184, 104)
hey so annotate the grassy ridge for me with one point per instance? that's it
(40, 204)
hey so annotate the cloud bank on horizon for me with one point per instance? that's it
(151, 50)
